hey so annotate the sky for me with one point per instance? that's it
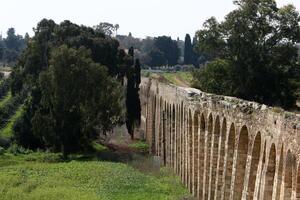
(140, 17)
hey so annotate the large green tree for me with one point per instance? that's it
(258, 40)
(168, 48)
(74, 76)
(78, 97)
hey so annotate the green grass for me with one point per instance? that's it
(176, 78)
(32, 177)
(5, 99)
(8, 128)
(98, 147)
(140, 146)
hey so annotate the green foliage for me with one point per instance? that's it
(214, 77)
(168, 48)
(79, 93)
(73, 75)
(188, 50)
(257, 39)
(133, 104)
(7, 130)
(11, 47)
(140, 146)
(2, 151)
(98, 147)
(32, 177)
(5, 99)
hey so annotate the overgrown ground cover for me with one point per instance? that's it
(183, 79)
(45, 176)
(7, 130)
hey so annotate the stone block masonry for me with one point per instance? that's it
(223, 148)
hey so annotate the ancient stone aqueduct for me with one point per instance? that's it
(222, 147)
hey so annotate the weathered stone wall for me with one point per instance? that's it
(222, 147)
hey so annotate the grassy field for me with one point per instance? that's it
(5, 99)
(7, 131)
(183, 79)
(39, 176)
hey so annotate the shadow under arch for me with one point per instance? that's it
(254, 164)
(190, 150)
(279, 174)
(220, 181)
(209, 147)
(196, 138)
(270, 173)
(288, 178)
(215, 149)
(202, 163)
(241, 163)
(229, 163)
(173, 134)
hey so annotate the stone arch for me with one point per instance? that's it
(279, 176)
(202, 157)
(190, 150)
(160, 132)
(173, 136)
(229, 164)
(177, 138)
(220, 181)
(215, 149)
(288, 177)
(209, 147)
(270, 173)
(254, 165)
(195, 152)
(153, 124)
(298, 183)
(164, 134)
(170, 134)
(241, 163)
(182, 142)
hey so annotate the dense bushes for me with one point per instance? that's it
(252, 53)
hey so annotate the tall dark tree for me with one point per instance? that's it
(169, 48)
(133, 104)
(188, 50)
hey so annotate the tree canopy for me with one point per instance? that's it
(258, 41)
(74, 76)
(11, 47)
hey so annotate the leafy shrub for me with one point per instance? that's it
(16, 149)
(214, 77)
(2, 151)
(140, 146)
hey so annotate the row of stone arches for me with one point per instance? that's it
(218, 159)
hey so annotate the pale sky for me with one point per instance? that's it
(141, 17)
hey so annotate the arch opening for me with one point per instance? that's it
(195, 153)
(215, 149)
(221, 160)
(270, 173)
(190, 151)
(288, 178)
(201, 157)
(241, 163)
(208, 156)
(279, 176)
(254, 165)
(229, 163)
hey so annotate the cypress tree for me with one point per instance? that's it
(188, 50)
(133, 104)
